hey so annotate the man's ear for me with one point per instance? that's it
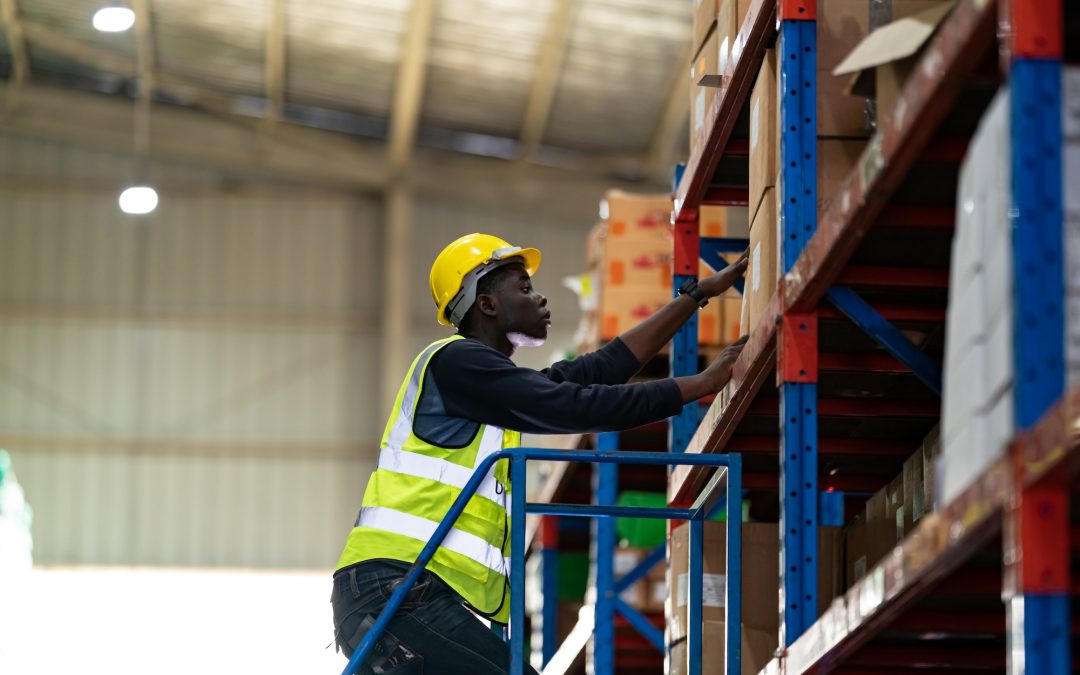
(486, 304)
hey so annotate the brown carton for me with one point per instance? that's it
(830, 565)
(914, 497)
(930, 450)
(705, 12)
(636, 215)
(841, 24)
(761, 275)
(724, 221)
(758, 648)
(880, 527)
(701, 96)
(837, 158)
(760, 585)
(763, 132)
(855, 550)
(880, 64)
(729, 20)
(896, 508)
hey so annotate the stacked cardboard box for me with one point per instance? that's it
(629, 254)
(892, 512)
(841, 132)
(760, 592)
(880, 65)
(716, 23)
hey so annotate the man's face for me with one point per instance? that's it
(522, 310)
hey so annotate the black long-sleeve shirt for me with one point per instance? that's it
(469, 383)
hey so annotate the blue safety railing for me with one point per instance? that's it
(705, 504)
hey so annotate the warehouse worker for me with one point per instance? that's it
(462, 400)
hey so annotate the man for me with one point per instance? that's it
(463, 399)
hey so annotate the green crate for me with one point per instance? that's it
(641, 532)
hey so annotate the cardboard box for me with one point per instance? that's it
(764, 142)
(880, 528)
(701, 97)
(839, 113)
(841, 24)
(705, 12)
(762, 274)
(624, 307)
(758, 648)
(896, 507)
(830, 566)
(731, 316)
(881, 63)
(855, 550)
(914, 497)
(636, 215)
(931, 449)
(760, 583)
(837, 158)
(724, 221)
(729, 20)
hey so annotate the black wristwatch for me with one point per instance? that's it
(690, 287)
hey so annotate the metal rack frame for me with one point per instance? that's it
(1024, 497)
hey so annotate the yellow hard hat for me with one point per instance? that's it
(461, 264)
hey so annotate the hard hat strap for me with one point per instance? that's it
(464, 299)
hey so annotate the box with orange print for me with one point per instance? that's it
(623, 308)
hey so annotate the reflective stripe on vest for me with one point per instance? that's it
(468, 545)
(442, 471)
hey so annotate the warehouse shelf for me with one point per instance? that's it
(887, 599)
(867, 202)
(696, 187)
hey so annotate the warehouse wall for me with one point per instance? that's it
(199, 386)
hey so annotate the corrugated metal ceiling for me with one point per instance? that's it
(618, 65)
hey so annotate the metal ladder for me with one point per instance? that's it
(708, 500)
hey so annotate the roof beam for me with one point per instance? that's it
(672, 117)
(408, 96)
(144, 67)
(20, 55)
(542, 95)
(275, 61)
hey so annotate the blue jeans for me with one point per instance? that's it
(432, 633)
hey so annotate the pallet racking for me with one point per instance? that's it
(984, 582)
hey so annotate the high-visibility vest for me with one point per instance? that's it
(414, 486)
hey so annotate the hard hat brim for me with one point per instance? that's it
(531, 260)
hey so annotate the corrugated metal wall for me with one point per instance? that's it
(187, 387)
(198, 387)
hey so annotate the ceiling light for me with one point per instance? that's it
(138, 200)
(114, 19)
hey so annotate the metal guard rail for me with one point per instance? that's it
(696, 514)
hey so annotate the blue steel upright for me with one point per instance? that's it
(684, 357)
(1038, 610)
(605, 492)
(797, 73)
